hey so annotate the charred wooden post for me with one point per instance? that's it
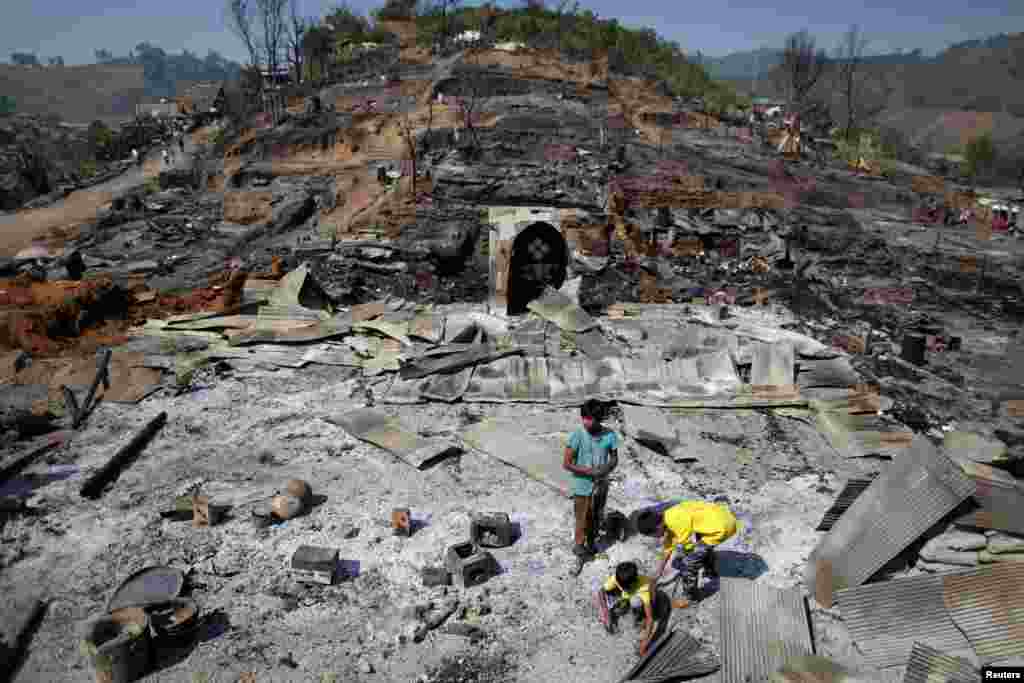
(102, 375)
(93, 487)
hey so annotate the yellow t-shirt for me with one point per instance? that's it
(714, 523)
(642, 589)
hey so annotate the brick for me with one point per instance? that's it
(468, 565)
(401, 522)
(312, 564)
(495, 530)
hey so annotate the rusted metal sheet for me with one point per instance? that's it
(987, 604)
(886, 619)
(914, 492)
(1000, 499)
(850, 492)
(674, 655)
(928, 665)
(760, 628)
(927, 184)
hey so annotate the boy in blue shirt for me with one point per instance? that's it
(590, 455)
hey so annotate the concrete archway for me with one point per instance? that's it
(540, 257)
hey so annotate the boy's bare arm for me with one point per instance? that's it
(648, 632)
(569, 463)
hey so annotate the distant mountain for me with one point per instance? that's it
(753, 64)
(742, 65)
(999, 41)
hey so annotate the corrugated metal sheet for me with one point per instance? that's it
(531, 336)
(836, 372)
(857, 436)
(674, 655)
(913, 493)
(928, 665)
(641, 380)
(886, 619)
(853, 488)
(988, 605)
(448, 387)
(772, 365)
(760, 627)
(1000, 499)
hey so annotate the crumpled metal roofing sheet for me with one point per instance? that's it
(538, 457)
(886, 619)
(1000, 499)
(760, 627)
(531, 335)
(988, 605)
(856, 436)
(913, 493)
(928, 665)
(676, 654)
(853, 488)
(448, 387)
(574, 380)
(835, 372)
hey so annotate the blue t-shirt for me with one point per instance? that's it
(591, 451)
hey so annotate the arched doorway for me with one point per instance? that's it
(539, 258)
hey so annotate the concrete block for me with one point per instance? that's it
(314, 565)
(436, 576)
(468, 565)
(494, 530)
(616, 525)
(648, 424)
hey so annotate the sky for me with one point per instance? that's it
(74, 28)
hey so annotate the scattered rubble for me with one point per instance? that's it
(763, 336)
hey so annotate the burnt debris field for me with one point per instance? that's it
(294, 406)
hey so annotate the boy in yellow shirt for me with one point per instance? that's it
(627, 590)
(689, 531)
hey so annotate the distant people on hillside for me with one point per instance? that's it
(166, 156)
(135, 155)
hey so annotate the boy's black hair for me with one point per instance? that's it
(626, 575)
(647, 522)
(592, 408)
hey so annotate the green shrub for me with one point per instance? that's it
(151, 186)
(87, 169)
(7, 105)
(980, 155)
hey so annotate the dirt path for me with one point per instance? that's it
(55, 223)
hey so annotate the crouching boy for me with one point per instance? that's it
(689, 530)
(626, 591)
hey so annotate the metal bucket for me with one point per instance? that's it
(119, 645)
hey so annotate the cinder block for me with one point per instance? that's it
(616, 526)
(469, 566)
(314, 565)
(401, 522)
(494, 530)
(436, 576)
